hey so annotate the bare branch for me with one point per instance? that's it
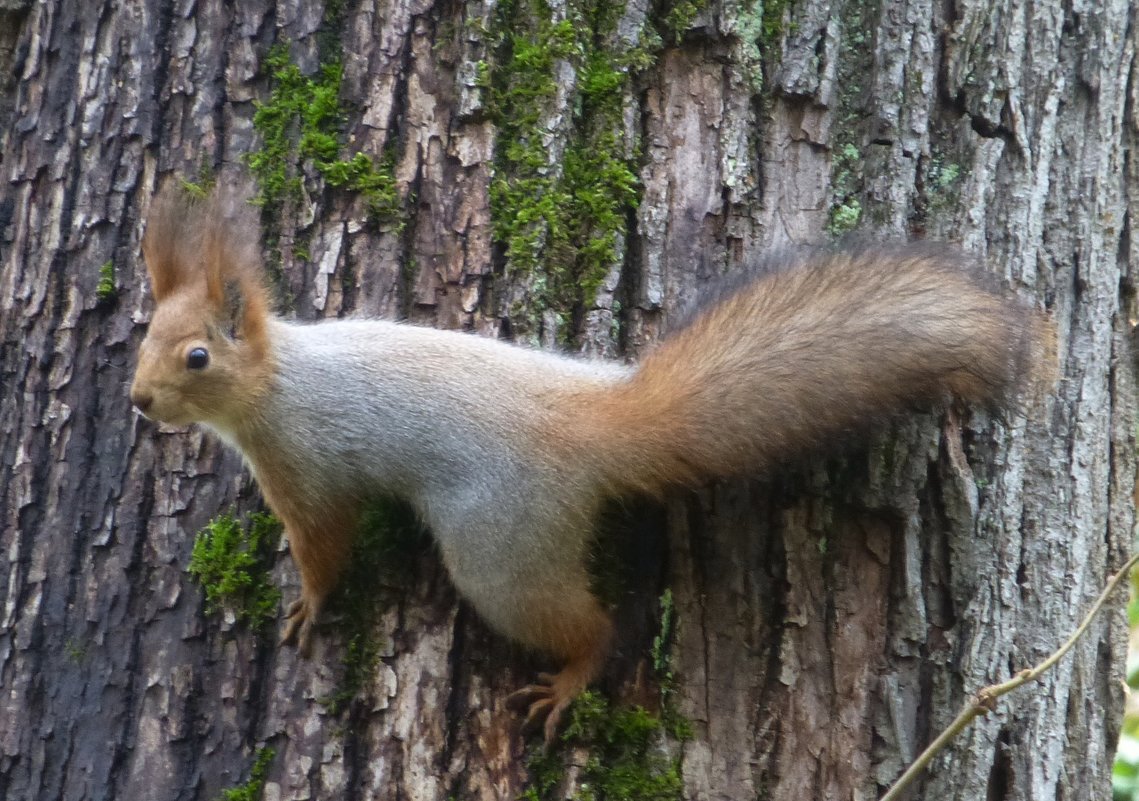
(985, 699)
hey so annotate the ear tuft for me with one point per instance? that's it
(210, 242)
(169, 240)
(234, 308)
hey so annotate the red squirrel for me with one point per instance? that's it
(506, 452)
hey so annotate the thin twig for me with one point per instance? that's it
(986, 698)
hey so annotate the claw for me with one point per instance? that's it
(304, 640)
(521, 700)
(293, 618)
(539, 711)
(545, 703)
(299, 621)
(554, 719)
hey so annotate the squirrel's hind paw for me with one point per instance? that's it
(545, 702)
(299, 622)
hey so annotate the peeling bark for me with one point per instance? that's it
(832, 617)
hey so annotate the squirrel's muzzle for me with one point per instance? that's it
(141, 400)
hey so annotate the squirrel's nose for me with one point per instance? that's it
(141, 400)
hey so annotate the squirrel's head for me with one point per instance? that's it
(206, 354)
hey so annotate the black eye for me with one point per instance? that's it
(197, 358)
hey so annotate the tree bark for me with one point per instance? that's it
(831, 618)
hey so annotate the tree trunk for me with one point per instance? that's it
(830, 619)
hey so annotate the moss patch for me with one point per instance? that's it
(561, 220)
(679, 18)
(662, 642)
(567, 161)
(231, 561)
(844, 217)
(942, 183)
(75, 651)
(301, 126)
(200, 187)
(628, 756)
(774, 13)
(105, 290)
(633, 754)
(846, 208)
(254, 788)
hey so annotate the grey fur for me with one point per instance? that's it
(362, 401)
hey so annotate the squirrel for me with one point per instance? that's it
(507, 453)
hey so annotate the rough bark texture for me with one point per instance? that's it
(831, 619)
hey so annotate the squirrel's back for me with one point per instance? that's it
(400, 407)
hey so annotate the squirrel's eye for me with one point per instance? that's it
(197, 358)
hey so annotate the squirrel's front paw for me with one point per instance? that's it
(299, 621)
(547, 700)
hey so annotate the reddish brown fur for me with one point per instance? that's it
(197, 245)
(803, 356)
(320, 532)
(204, 265)
(574, 627)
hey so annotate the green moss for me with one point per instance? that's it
(679, 18)
(301, 123)
(774, 13)
(564, 220)
(105, 290)
(942, 183)
(254, 788)
(675, 725)
(301, 128)
(232, 562)
(854, 64)
(526, 199)
(942, 176)
(844, 217)
(388, 538)
(632, 753)
(628, 756)
(371, 179)
(660, 650)
(194, 189)
(330, 34)
(75, 651)
(199, 187)
(846, 208)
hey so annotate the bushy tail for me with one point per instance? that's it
(798, 358)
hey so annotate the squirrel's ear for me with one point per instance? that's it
(232, 260)
(240, 309)
(168, 241)
(233, 309)
(240, 315)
